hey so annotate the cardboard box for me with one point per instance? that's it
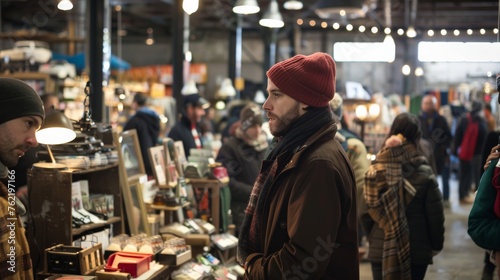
(170, 259)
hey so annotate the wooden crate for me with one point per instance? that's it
(74, 260)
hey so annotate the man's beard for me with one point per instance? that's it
(284, 122)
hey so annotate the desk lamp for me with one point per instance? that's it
(56, 129)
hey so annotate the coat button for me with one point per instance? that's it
(283, 225)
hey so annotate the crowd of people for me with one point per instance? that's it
(304, 194)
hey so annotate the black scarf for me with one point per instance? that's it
(301, 129)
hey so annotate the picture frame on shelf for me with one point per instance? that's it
(157, 158)
(138, 220)
(131, 154)
(180, 155)
(170, 162)
(131, 176)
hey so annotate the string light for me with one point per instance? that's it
(374, 29)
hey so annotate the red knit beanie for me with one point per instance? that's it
(307, 79)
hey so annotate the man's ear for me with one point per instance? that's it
(304, 106)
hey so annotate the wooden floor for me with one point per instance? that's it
(460, 259)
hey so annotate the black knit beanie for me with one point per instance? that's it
(18, 99)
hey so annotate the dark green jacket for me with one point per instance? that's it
(484, 226)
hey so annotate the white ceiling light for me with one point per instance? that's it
(65, 5)
(341, 8)
(246, 7)
(411, 32)
(293, 5)
(419, 71)
(272, 18)
(190, 6)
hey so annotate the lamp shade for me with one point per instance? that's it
(56, 129)
(272, 18)
(190, 6)
(293, 5)
(189, 88)
(246, 7)
(226, 89)
(328, 9)
(65, 5)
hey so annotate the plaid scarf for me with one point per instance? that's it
(387, 195)
(284, 147)
(259, 144)
(249, 241)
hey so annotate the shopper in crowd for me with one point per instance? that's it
(147, 123)
(21, 116)
(435, 129)
(489, 117)
(468, 145)
(358, 157)
(187, 129)
(300, 221)
(489, 153)
(242, 155)
(405, 219)
(484, 217)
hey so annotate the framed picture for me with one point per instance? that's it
(129, 148)
(181, 154)
(131, 170)
(157, 158)
(170, 163)
(136, 209)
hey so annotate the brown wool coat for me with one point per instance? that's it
(312, 206)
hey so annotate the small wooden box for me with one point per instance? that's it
(73, 260)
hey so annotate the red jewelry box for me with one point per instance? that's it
(133, 263)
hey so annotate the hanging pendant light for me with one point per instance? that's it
(272, 18)
(329, 9)
(190, 6)
(246, 7)
(293, 5)
(65, 5)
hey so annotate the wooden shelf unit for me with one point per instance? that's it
(50, 219)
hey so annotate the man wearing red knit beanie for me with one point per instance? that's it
(300, 221)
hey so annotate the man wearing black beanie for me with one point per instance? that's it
(21, 115)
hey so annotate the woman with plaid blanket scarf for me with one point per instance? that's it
(405, 216)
